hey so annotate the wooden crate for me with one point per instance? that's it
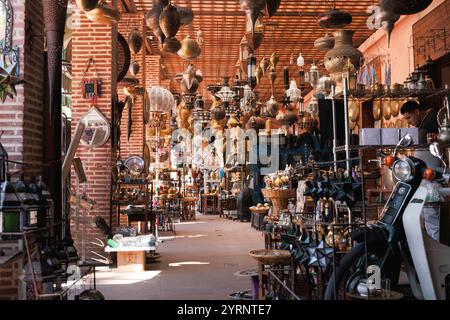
(131, 261)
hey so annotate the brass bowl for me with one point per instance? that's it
(376, 109)
(386, 107)
(395, 108)
(353, 110)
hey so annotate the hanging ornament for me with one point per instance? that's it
(274, 59)
(300, 60)
(265, 65)
(170, 21)
(186, 15)
(200, 39)
(294, 93)
(8, 80)
(135, 41)
(171, 45)
(292, 59)
(134, 68)
(402, 7)
(152, 18)
(259, 74)
(190, 49)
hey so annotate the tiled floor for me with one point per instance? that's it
(198, 263)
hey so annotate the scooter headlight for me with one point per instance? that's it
(403, 170)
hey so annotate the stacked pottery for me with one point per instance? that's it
(336, 58)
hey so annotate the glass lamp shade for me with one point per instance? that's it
(226, 95)
(314, 75)
(160, 100)
(300, 60)
(251, 68)
(313, 106)
(294, 93)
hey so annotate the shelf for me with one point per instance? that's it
(134, 183)
(127, 203)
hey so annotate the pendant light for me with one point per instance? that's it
(314, 75)
(251, 68)
(301, 64)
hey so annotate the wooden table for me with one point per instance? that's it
(130, 259)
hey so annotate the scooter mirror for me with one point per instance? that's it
(435, 150)
(405, 142)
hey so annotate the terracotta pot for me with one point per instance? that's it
(335, 19)
(170, 21)
(135, 41)
(103, 15)
(403, 7)
(186, 15)
(87, 5)
(189, 49)
(171, 45)
(324, 43)
(336, 58)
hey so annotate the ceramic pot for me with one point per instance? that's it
(103, 15)
(189, 49)
(171, 45)
(336, 58)
(335, 19)
(87, 5)
(170, 21)
(135, 41)
(324, 43)
(403, 7)
(186, 15)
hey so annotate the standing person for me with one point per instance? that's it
(422, 117)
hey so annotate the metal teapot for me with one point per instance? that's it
(444, 131)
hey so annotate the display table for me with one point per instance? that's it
(130, 259)
(210, 204)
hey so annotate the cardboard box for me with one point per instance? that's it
(370, 137)
(390, 136)
(414, 132)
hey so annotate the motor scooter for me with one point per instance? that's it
(397, 239)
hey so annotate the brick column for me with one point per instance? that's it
(97, 41)
(135, 145)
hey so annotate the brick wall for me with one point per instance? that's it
(34, 66)
(97, 41)
(21, 118)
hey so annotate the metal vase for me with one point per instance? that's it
(402, 7)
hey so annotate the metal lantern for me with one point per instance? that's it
(324, 85)
(349, 72)
(10, 208)
(226, 95)
(251, 69)
(294, 93)
(3, 163)
(160, 100)
(314, 75)
(313, 106)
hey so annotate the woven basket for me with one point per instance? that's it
(279, 198)
(271, 256)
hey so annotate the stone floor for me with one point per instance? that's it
(199, 263)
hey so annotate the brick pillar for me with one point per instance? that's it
(97, 41)
(135, 145)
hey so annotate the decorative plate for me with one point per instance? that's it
(135, 164)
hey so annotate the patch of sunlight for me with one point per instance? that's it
(179, 264)
(119, 278)
(190, 222)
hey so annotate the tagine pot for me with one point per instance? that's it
(336, 58)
